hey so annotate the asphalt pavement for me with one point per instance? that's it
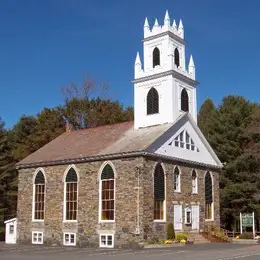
(211, 251)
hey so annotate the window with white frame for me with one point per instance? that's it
(71, 195)
(37, 237)
(188, 216)
(194, 178)
(39, 196)
(159, 193)
(176, 179)
(107, 194)
(69, 239)
(106, 240)
(208, 196)
(183, 140)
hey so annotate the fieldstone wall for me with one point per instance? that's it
(152, 229)
(134, 203)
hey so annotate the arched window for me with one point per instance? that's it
(71, 195)
(208, 197)
(176, 57)
(152, 102)
(194, 178)
(176, 179)
(39, 196)
(184, 100)
(107, 193)
(156, 57)
(159, 193)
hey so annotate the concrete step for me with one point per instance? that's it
(198, 238)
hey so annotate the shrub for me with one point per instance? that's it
(246, 235)
(221, 235)
(181, 236)
(170, 231)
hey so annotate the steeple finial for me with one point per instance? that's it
(191, 68)
(167, 19)
(191, 62)
(174, 25)
(146, 24)
(181, 29)
(156, 24)
(137, 59)
(180, 25)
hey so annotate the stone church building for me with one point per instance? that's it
(120, 185)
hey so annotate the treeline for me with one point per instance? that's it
(232, 128)
(30, 133)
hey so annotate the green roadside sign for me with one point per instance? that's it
(247, 220)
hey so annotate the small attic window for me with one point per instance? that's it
(183, 140)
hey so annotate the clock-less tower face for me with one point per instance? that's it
(164, 88)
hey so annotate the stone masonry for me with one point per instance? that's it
(133, 217)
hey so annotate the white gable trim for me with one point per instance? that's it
(205, 156)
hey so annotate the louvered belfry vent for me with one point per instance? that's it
(71, 176)
(184, 100)
(159, 185)
(152, 102)
(208, 188)
(39, 179)
(107, 173)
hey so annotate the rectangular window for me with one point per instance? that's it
(208, 211)
(69, 239)
(106, 240)
(11, 229)
(108, 200)
(37, 237)
(39, 201)
(158, 209)
(71, 200)
(188, 216)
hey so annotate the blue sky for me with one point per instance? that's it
(46, 44)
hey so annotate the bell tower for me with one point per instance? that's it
(164, 88)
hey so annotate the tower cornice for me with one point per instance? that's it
(169, 33)
(173, 73)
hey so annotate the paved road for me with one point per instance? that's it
(196, 252)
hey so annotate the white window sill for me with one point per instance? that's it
(209, 220)
(69, 244)
(177, 191)
(159, 221)
(194, 193)
(107, 221)
(38, 220)
(70, 221)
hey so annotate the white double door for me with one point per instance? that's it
(179, 217)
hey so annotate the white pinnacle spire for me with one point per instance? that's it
(167, 18)
(146, 24)
(191, 69)
(191, 63)
(181, 29)
(137, 59)
(180, 25)
(174, 25)
(156, 24)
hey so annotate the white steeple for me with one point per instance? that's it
(163, 72)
